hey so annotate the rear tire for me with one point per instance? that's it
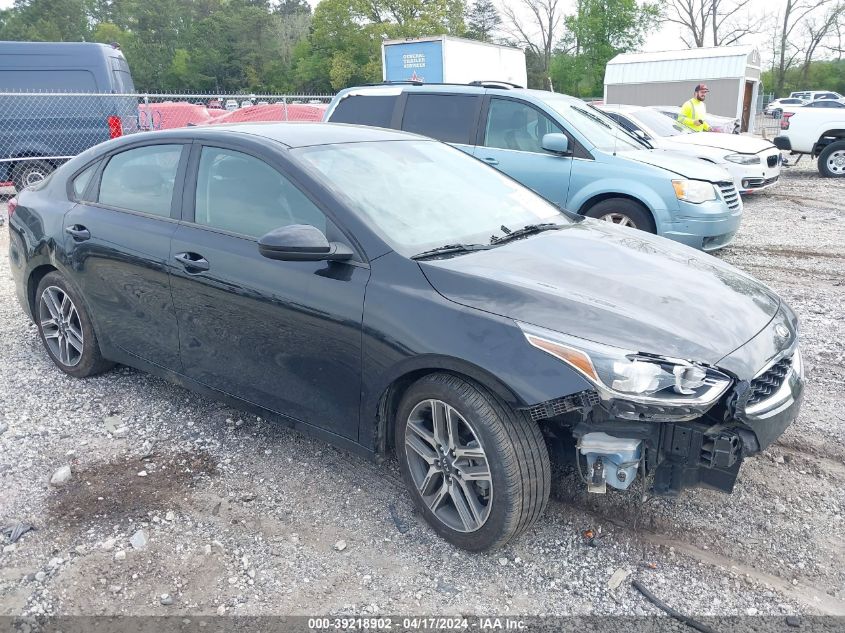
(832, 160)
(623, 211)
(65, 328)
(29, 172)
(481, 480)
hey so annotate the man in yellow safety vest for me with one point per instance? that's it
(693, 111)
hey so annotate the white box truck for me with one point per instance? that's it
(446, 59)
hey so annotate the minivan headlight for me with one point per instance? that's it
(695, 191)
(633, 376)
(743, 159)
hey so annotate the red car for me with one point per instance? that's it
(171, 114)
(274, 112)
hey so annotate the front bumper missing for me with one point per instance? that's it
(707, 451)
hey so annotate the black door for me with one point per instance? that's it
(282, 335)
(118, 243)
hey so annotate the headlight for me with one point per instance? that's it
(694, 190)
(743, 159)
(633, 376)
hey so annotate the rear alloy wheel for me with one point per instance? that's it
(832, 160)
(65, 328)
(61, 326)
(29, 172)
(623, 212)
(477, 470)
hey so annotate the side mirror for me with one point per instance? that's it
(641, 134)
(556, 143)
(301, 242)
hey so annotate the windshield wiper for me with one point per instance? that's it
(528, 229)
(450, 249)
(639, 139)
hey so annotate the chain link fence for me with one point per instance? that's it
(41, 130)
(765, 124)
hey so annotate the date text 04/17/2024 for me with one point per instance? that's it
(422, 623)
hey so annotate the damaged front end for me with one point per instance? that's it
(680, 423)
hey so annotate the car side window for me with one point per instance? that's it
(375, 110)
(141, 179)
(243, 194)
(447, 118)
(517, 126)
(80, 183)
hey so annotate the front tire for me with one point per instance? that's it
(65, 328)
(624, 212)
(477, 470)
(29, 172)
(832, 160)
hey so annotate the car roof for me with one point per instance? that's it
(293, 134)
(487, 88)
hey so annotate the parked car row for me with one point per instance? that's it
(806, 99)
(390, 293)
(581, 159)
(754, 164)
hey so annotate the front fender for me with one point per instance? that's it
(590, 182)
(425, 331)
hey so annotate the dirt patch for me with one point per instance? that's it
(129, 487)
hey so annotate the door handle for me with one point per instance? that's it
(78, 232)
(490, 160)
(192, 261)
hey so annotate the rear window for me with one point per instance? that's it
(122, 77)
(56, 80)
(447, 118)
(365, 110)
(80, 183)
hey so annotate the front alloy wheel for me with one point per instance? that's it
(619, 218)
(478, 470)
(623, 212)
(448, 465)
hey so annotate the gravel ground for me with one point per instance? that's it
(177, 504)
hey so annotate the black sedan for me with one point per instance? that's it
(388, 292)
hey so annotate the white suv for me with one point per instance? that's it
(812, 95)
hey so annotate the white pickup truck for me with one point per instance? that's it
(817, 132)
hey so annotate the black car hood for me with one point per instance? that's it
(613, 285)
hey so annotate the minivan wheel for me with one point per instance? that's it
(28, 172)
(477, 470)
(65, 328)
(832, 160)
(624, 212)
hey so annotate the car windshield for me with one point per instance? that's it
(599, 129)
(659, 123)
(422, 195)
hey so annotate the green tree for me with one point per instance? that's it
(46, 21)
(597, 32)
(483, 20)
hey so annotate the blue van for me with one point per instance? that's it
(565, 150)
(39, 132)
